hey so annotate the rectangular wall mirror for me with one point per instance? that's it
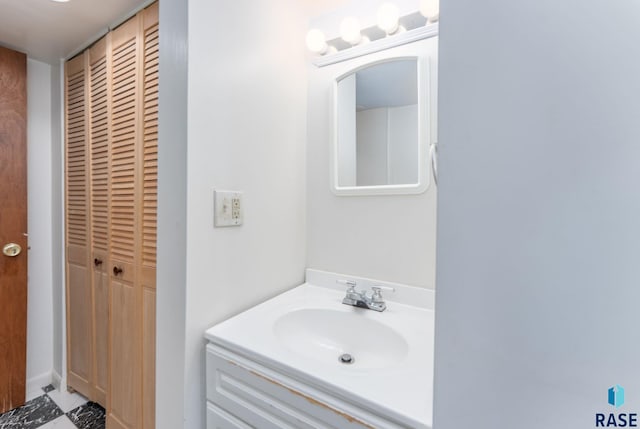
(381, 128)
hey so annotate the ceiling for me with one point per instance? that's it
(47, 31)
(319, 7)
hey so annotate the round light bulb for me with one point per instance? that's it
(316, 41)
(350, 31)
(388, 16)
(430, 9)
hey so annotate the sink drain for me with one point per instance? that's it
(346, 358)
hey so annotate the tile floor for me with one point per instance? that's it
(54, 409)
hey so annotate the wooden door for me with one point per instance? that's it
(13, 228)
(78, 296)
(149, 167)
(125, 388)
(112, 166)
(99, 133)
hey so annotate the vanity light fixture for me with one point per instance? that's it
(316, 42)
(388, 16)
(350, 31)
(394, 26)
(430, 9)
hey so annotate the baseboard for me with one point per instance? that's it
(56, 380)
(35, 384)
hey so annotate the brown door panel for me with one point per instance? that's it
(13, 228)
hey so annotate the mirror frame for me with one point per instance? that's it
(424, 134)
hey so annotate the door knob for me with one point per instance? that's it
(117, 270)
(11, 249)
(97, 262)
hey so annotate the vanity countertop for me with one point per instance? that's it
(303, 332)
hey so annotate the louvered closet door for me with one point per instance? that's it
(78, 284)
(99, 178)
(125, 402)
(149, 209)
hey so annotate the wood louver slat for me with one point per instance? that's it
(123, 153)
(76, 161)
(150, 146)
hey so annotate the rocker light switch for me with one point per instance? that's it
(227, 208)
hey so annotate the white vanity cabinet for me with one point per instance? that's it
(243, 394)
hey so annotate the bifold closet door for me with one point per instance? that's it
(134, 170)
(149, 167)
(112, 170)
(78, 283)
(99, 197)
(125, 387)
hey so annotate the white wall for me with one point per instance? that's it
(57, 222)
(384, 237)
(538, 213)
(172, 217)
(247, 128)
(40, 269)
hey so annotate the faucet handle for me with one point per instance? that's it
(377, 295)
(351, 283)
(351, 297)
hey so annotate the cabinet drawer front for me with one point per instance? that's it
(217, 418)
(265, 403)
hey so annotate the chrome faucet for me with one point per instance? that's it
(361, 299)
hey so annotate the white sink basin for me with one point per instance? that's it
(324, 335)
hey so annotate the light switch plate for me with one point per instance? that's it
(227, 208)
